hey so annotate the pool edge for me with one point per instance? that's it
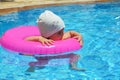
(4, 11)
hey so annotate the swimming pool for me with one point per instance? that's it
(98, 23)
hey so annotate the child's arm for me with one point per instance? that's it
(77, 36)
(40, 39)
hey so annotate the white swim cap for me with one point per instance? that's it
(49, 23)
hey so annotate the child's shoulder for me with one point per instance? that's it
(67, 35)
(69, 32)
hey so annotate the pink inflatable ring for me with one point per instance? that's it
(13, 39)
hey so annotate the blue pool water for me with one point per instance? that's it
(98, 23)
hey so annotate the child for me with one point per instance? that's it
(52, 27)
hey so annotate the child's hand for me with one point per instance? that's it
(40, 39)
(79, 39)
(45, 41)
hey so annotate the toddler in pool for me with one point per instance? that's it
(52, 27)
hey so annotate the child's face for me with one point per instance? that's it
(57, 36)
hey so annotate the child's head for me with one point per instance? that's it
(50, 25)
